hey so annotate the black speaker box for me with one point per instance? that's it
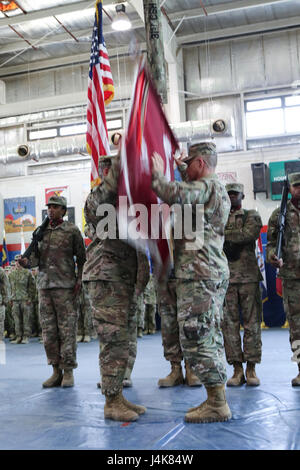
(259, 175)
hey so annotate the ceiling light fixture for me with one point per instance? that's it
(121, 22)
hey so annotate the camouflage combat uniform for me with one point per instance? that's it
(111, 274)
(85, 324)
(201, 276)
(140, 313)
(22, 290)
(290, 271)
(36, 324)
(150, 306)
(242, 231)
(56, 281)
(4, 299)
(9, 324)
(167, 308)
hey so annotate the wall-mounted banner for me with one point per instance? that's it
(19, 212)
(58, 191)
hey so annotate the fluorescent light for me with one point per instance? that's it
(121, 21)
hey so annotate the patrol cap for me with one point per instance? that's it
(202, 148)
(237, 187)
(294, 178)
(13, 263)
(18, 257)
(57, 200)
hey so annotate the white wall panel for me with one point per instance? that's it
(248, 64)
(278, 59)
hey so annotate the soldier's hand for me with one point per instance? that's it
(23, 262)
(276, 262)
(179, 160)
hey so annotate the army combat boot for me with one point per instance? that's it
(25, 340)
(174, 378)
(251, 376)
(68, 378)
(214, 409)
(139, 409)
(191, 379)
(296, 380)
(55, 379)
(87, 339)
(17, 340)
(116, 409)
(238, 377)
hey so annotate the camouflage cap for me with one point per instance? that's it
(58, 200)
(13, 263)
(237, 187)
(294, 178)
(202, 148)
(18, 257)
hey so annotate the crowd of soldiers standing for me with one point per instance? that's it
(19, 307)
(210, 291)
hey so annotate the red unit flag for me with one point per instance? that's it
(148, 131)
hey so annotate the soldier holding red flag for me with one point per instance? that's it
(201, 275)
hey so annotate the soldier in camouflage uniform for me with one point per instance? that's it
(167, 308)
(241, 233)
(36, 324)
(4, 299)
(150, 307)
(202, 274)
(85, 325)
(22, 290)
(111, 274)
(289, 264)
(58, 287)
(140, 314)
(9, 325)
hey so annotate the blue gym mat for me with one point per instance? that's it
(32, 418)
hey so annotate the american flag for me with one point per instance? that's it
(100, 93)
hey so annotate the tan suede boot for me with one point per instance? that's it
(55, 379)
(238, 377)
(68, 378)
(25, 340)
(87, 339)
(251, 376)
(17, 340)
(214, 409)
(296, 380)
(174, 378)
(139, 409)
(191, 379)
(116, 409)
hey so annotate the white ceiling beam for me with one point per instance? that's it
(59, 38)
(61, 10)
(60, 62)
(222, 8)
(239, 30)
(47, 12)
